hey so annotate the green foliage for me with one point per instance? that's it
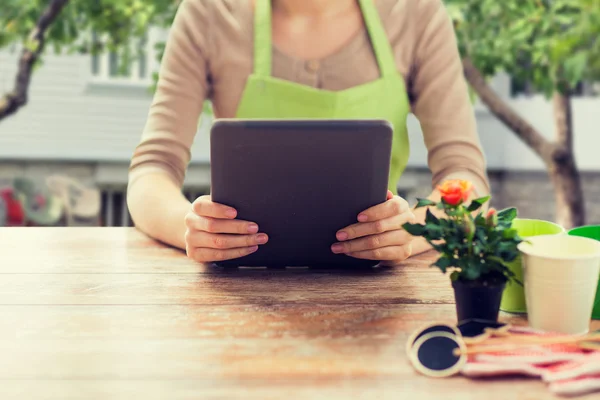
(91, 27)
(551, 44)
(115, 22)
(476, 246)
(88, 26)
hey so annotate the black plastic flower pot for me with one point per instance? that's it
(476, 300)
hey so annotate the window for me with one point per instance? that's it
(129, 66)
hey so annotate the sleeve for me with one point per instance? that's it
(176, 108)
(441, 103)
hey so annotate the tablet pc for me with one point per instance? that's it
(301, 181)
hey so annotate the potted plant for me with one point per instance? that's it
(477, 246)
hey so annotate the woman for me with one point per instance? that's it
(303, 58)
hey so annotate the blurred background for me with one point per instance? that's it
(76, 82)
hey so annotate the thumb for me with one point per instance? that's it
(390, 195)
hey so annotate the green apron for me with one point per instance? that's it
(267, 97)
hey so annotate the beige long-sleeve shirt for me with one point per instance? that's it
(209, 55)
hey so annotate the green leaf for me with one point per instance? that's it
(454, 276)
(507, 215)
(430, 218)
(497, 260)
(471, 273)
(414, 229)
(516, 280)
(440, 248)
(507, 251)
(443, 263)
(434, 232)
(510, 256)
(425, 203)
(477, 203)
(574, 68)
(480, 220)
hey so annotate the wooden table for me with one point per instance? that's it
(106, 313)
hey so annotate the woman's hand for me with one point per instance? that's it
(379, 234)
(213, 233)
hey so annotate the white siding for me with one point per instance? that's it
(71, 118)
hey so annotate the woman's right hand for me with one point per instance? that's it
(213, 233)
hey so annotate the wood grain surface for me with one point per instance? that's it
(106, 313)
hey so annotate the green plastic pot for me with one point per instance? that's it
(591, 232)
(513, 298)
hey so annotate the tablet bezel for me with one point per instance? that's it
(242, 137)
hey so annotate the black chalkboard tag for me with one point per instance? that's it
(433, 354)
(430, 328)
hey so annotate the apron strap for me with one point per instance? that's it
(379, 40)
(263, 46)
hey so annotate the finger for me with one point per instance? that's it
(391, 238)
(396, 205)
(214, 225)
(390, 195)
(223, 241)
(371, 228)
(390, 253)
(202, 254)
(204, 206)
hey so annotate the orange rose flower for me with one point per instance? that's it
(456, 191)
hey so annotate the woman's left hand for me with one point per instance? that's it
(379, 234)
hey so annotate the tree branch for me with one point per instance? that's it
(508, 116)
(17, 98)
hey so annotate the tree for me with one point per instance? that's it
(550, 45)
(69, 26)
